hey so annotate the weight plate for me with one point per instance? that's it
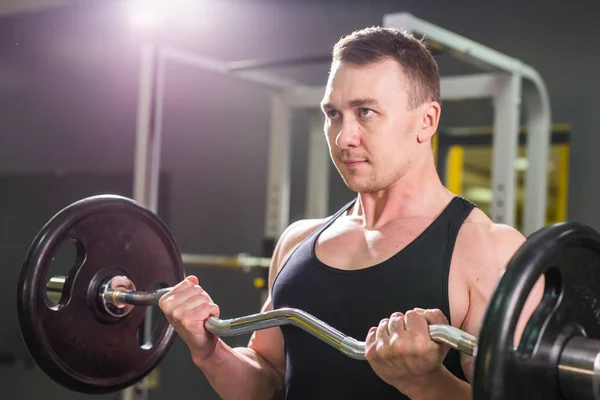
(76, 343)
(567, 255)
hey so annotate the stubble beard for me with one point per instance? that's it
(369, 183)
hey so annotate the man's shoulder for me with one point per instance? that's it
(479, 227)
(301, 229)
(293, 235)
(482, 243)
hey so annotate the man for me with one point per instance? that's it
(406, 253)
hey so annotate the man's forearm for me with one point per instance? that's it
(240, 373)
(443, 385)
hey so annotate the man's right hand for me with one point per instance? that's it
(187, 307)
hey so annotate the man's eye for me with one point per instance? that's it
(332, 113)
(365, 112)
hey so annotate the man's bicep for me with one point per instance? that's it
(473, 323)
(499, 250)
(510, 243)
(268, 343)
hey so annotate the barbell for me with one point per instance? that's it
(127, 259)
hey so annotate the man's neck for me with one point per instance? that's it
(418, 193)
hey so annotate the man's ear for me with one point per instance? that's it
(429, 121)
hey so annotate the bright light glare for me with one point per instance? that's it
(145, 20)
(479, 194)
(147, 13)
(157, 13)
(521, 164)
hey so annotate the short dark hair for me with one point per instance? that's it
(374, 44)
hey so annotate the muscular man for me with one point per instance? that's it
(404, 254)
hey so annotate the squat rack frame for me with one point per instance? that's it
(501, 81)
(505, 85)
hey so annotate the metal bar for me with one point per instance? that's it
(447, 334)
(141, 390)
(488, 130)
(279, 173)
(579, 369)
(434, 147)
(240, 261)
(54, 289)
(147, 165)
(506, 124)
(149, 128)
(305, 96)
(459, 44)
(460, 87)
(134, 298)
(317, 193)
(289, 62)
(537, 107)
(464, 87)
(152, 200)
(143, 154)
(144, 121)
(468, 140)
(562, 185)
(454, 169)
(223, 67)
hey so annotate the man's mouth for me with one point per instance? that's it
(351, 163)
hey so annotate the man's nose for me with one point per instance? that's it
(348, 136)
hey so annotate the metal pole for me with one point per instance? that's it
(317, 194)
(144, 123)
(507, 104)
(539, 121)
(278, 183)
(147, 161)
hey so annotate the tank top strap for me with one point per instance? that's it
(456, 214)
(331, 220)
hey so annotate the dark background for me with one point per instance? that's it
(68, 99)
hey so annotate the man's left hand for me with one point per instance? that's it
(401, 352)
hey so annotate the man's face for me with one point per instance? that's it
(371, 130)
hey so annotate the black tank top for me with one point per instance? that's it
(354, 301)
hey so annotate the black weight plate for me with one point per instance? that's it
(75, 343)
(567, 255)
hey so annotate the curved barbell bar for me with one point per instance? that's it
(453, 337)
